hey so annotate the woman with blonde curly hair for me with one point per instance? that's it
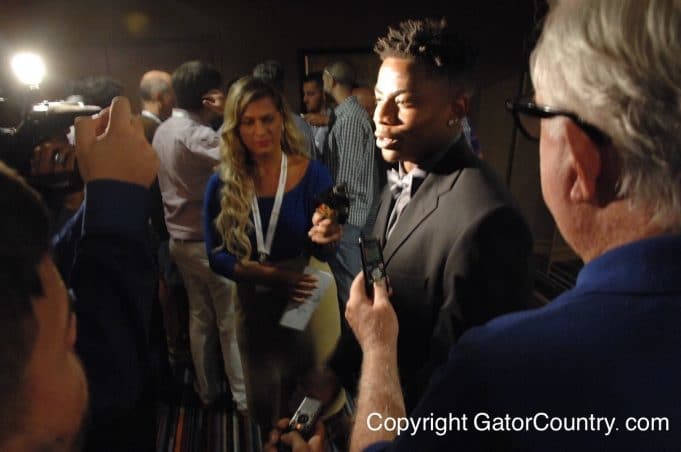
(263, 232)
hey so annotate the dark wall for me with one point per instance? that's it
(125, 38)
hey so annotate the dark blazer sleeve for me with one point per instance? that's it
(113, 279)
(65, 242)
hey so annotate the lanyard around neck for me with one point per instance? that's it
(265, 247)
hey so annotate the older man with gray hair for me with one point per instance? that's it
(157, 98)
(598, 366)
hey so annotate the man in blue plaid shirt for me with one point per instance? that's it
(351, 157)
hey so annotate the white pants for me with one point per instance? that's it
(211, 319)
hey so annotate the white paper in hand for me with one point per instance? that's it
(297, 315)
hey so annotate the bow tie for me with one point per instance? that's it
(411, 180)
(397, 183)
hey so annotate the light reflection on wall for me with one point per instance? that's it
(137, 23)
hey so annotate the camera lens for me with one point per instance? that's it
(303, 418)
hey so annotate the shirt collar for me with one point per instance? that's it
(644, 266)
(182, 113)
(347, 105)
(400, 180)
(423, 168)
(416, 172)
(150, 115)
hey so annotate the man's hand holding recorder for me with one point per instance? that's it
(374, 323)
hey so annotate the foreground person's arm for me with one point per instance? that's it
(113, 277)
(375, 325)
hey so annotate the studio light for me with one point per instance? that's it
(29, 68)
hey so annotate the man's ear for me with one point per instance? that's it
(586, 164)
(460, 106)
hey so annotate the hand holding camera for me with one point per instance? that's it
(53, 156)
(111, 145)
(37, 146)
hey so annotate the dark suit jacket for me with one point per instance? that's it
(150, 127)
(158, 222)
(458, 256)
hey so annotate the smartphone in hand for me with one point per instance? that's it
(372, 263)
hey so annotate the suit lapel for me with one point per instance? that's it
(382, 215)
(440, 180)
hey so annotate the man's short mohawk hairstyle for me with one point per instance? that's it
(431, 43)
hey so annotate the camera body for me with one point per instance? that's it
(334, 203)
(41, 121)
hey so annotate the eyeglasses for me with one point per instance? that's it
(528, 115)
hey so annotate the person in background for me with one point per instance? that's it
(158, 100)
(272, 72)
(262, 231)
(98, 90)
(189, 150)
(366, 98)
(350, 155)
(317, 113)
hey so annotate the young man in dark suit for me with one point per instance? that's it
(456, 248)
(595, 369)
